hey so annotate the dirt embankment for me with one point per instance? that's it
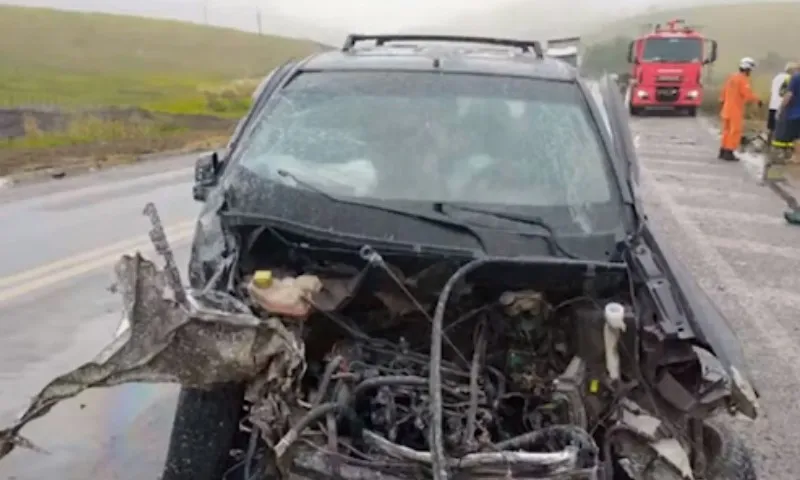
(98, 138)
(17, 122)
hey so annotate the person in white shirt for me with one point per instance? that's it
(778, 84)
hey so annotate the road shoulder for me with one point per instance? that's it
(730, 233)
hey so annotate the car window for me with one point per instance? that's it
(433, 137)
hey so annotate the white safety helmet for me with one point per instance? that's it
(747, 63)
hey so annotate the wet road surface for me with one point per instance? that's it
(58, 313)
(730, 233)
(728, 230)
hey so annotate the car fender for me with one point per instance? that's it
(708, 324)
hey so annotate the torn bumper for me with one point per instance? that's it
(198, 343)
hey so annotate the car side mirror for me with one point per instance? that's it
(206, 174)
(631, 58)
(712, 53)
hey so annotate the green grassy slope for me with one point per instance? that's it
(82, 59)
(749, 29)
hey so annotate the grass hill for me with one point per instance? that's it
(237, 14)
(741, 27)
(88, 90)
(88, 59)
(766, 31)
(746, 29)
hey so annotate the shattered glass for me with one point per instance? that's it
(448, 138)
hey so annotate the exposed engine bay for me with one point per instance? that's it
(510, 385)
(371, 365)
(526, 381)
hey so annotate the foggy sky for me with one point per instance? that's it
(346, 14)
(328, 19)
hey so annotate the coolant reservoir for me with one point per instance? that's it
(615, 315)
(615, 324)
(284, 296)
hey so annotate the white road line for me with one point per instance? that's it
(668, 151)
(48, 276)
(667, 160)
(708, 176)
(732, 216)
(682, 190)
(89, 255)
(757, 248)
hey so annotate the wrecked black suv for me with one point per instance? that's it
(423, 257)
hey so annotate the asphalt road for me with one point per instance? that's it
(731, 234)
(61, 239)
(57, 312)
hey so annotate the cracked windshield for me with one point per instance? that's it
(431, 239)
(456, 137)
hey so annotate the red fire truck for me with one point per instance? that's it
(668, 68)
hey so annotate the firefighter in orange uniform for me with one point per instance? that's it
(736, 93)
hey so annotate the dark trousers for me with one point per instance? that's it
(786, 132)
(771, 121)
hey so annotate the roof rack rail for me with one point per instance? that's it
(563, 41)
(525, 45)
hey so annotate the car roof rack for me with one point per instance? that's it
(525, 45)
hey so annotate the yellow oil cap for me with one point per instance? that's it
(262, 278)
(594, 385)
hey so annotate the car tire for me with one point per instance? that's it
(204, 430)
(691, 111)
(634, 111)
(728, 456)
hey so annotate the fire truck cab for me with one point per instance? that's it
(668, 66)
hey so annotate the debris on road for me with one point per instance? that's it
(192, 344)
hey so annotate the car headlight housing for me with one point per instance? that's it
(692, 94)
(641, 94)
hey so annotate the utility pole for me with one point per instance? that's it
(205, 11)
(258, 20)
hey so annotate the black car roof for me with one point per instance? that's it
(430, 53)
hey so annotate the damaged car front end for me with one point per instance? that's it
(591, 367)
(336, 330)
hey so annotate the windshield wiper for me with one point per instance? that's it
(550, 236)
(443, 220)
